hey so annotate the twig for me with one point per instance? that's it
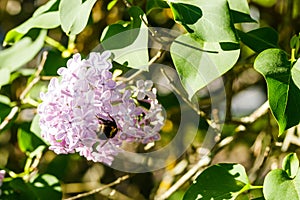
(119, 180)
(262, 110)
(229, 93)
(46, 78)
(9, 117)
(291, 138)
(169, 176)
(212, 123)
(187, 176)
(127, 4)
(203, 162)
(36, 76)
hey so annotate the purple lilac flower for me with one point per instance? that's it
(2, 174)
(85, 93)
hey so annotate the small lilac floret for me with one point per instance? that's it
(2, 175)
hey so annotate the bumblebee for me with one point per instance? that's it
(107, 128)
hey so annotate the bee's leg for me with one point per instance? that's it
(104, 143)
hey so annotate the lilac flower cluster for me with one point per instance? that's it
(84, 96)
(2, 174)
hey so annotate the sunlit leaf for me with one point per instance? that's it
(290, 165)
(197, 68)
(186, 13)
(221, 181)
(283, 94)
(240, 6)
(74, 15)
(111, 4)
(47, 20)
(215, 25)
(46, 185)
(296, 73)
(43, 186)
(4, 99)
(68, 10)
(47, 6)
(35, 128)
(240, 11)
(278, 184)
(128, 41)
(4, 76)
(22, 52)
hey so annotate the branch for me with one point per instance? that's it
(262, 110)
(9, 117)
(187, 176)
(36, 76)
(118, 181)
(212, 123)
(197, 168)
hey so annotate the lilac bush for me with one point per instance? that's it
(84, 96)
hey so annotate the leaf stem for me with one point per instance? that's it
(54, 43)
(254, 187)
(293, 59)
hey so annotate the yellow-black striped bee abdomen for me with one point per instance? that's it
(107, 128)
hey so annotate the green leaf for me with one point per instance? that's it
(283, 94)
(265, 3)
(155, 4)
(62, 162)
(74, 15)
(239, 6)
(123, 27)
(239, 17)
(46, 185)
(47, 6)
(185, 13)
(35, 128)
(215, 25)
(68, 10)
(196, 68)
(111, 4)
(239, 11)
(221, 181)
(290, 165)
(82, 17)
(47, 20)
(128, 41)
(278, 185)
(28, 141)
(296, 73)
(22, 52)
(53, 63)
(4, 77)
(21, 189)
(260, 39)
(5, 110)
(4, 100)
